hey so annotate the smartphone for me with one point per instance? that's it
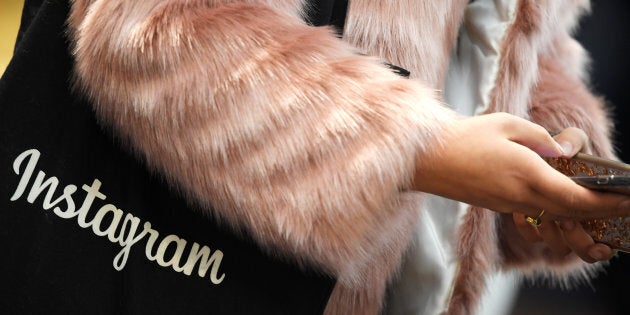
(613, 183)
(595, 172)
(603, 175)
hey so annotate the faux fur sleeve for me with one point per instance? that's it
(278, 126)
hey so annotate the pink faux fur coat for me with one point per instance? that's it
(306, 142)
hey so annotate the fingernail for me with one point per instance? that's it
(597, 254)
(567, 148)
(557, 151)
(567, 225)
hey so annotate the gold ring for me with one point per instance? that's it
(535, 222)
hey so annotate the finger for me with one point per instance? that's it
(582, 244)
(533, 136)
(563, 198)
(527, 231)
(573, 140)
(600, 252)
(581, 203)
(552, 235)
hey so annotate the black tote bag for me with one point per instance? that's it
(86, 229)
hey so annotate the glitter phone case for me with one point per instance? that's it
(600, 174)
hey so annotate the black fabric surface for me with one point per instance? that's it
(327, 12)
(52, 265)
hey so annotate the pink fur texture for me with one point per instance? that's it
(279, 127)
(552, 94)
(417, 35)
(291, 134)
(537, 24)
(476, 252)
(560, 99)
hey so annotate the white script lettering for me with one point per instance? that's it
(126, 224)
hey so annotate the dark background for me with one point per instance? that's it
(604, 34)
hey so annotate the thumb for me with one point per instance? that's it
(573, 140)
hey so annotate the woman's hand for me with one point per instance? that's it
(566, 236)
(493, 161)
